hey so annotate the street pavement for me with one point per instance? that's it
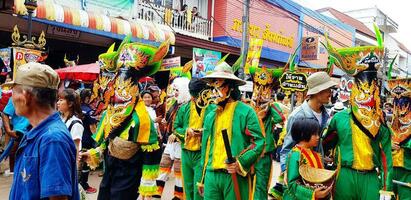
(94, 181)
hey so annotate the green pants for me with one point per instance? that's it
(219, 186)
(190, 161)
(353, 185)
(262, 172)
(403, 175)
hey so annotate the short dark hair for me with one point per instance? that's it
(195, 86)
(84, 94)
(236, 93)
(280, 96)
(302, 129)
(45, 97)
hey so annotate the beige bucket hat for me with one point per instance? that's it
(224, 71)
(318, 82)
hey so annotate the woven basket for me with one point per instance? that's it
(122, 149)
(316, 177)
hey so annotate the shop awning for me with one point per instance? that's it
(81, 19)
(86, 73)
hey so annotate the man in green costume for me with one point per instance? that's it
(362, 142)
(188, 127)
(270, 114)
(401, 138)
(245, 135)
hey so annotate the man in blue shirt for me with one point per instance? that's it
(45, 165)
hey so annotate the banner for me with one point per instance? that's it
(5, 55)
(22, 56)
(310, 48)
(204, 61)
(169, 63)
(292, 81)
(253, 55)
(111, 8)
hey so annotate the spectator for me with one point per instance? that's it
(195, 12)
(15, 127)
(46, 160)
(87, 141)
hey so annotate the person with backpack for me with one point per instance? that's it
(90, 125)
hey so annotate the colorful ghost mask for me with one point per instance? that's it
(134, 60)
(345, 87)
(400, 90)
(263, 83)
(362, 63)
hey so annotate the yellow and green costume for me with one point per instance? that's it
(297, 156)
(401, 92)
(247, 143)
(188, 117)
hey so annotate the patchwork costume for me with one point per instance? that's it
(126, 136)
(358, 135)
(270, 114)
(244, 134)
(400, 90)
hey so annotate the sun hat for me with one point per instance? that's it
(224, 71)
(318, 82)
(35, 75)
(338, 106)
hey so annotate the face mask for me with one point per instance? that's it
(262, 90)
(365, 101)
(220, 91)
(401, 92)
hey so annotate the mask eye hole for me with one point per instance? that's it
(350, 85)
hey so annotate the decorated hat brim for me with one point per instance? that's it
(224, 75)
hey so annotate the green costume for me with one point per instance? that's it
(263, 166)
(247, 143)
(358, 157)
(188, 117)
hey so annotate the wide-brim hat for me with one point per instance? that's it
(224, 71)
(314, 176)
(318, 82)
(339, 106)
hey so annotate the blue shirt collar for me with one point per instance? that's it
(36, 130)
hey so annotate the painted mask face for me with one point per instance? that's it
(345, 87)
(124, 100)
(220, 90)
(401, 91)
(102, 92)
(262, 89)
(365, 101)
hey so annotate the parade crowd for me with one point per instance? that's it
(218, 142)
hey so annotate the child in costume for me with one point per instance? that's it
(221, 180)
(305, 133)
(126, 136)
(270, 114)
(172, 153)
(188, 127)
(361, 140)
(401, 138)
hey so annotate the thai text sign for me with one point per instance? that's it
(264, 34)
(169, 63)
(292, 81)
(310, 49)
(254, 53)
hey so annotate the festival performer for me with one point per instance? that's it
(361, 140)
(302, 157)
(126, 135)
(270, 114)
(178, 95)
(401, 136)
(188, 127)
(222, 180)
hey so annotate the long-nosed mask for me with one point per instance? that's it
(400, 90)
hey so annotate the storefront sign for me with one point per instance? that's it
(264, 33)
(310, 48)
(110, 8)
(22, 56)
(60, 31)
(291, 81)
(169, 63)
(254, 53)
(204, 61)
(5, 55)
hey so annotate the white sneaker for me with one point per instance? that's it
(7, 173)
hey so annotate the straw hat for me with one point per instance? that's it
(314, 176)
(318, 82)
(224, 71)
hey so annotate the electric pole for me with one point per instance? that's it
(244, 39)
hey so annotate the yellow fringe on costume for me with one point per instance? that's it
(150, 174)
(147, 190)
(150, 147)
